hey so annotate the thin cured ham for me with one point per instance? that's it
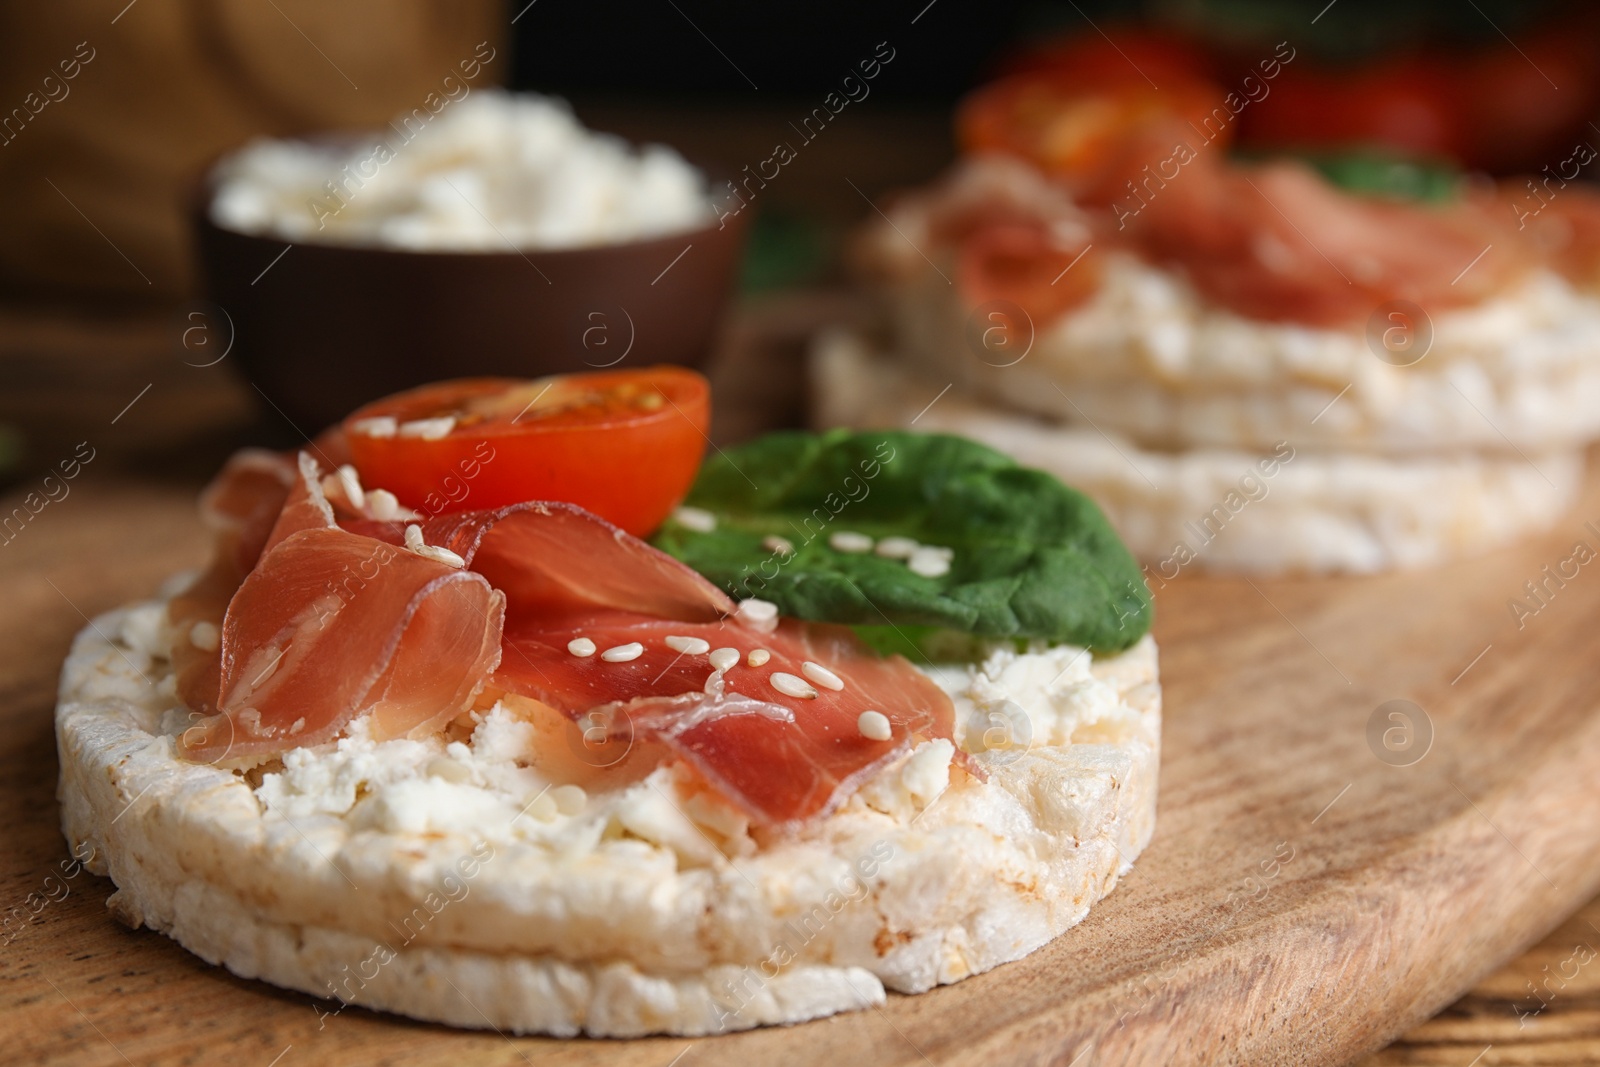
(553, 557)
(1563, 226)
(1019, 238)
(240, 508)
(343, 615)
(781, 758)
(1027, 265)
(331, 624)
(568, 574)
(1279, 243)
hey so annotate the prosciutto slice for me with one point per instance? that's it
(553, 558)
(240, 507)
(1278, 243)
(343, 616)
(331, 624)
(567, 573)
(782, 759)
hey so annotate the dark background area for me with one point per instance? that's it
(96, 265)
(610, 49)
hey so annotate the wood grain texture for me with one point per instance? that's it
(1404, 886)
(170, 90)
(1541, 1010)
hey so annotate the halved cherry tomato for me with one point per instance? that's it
(1517, 105)
(624, 444)
(1517, 117)
(1411, 104)
(1121, 54)
(1094, 137)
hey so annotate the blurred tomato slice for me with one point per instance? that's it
(1413, 105)
(1096, 138)
(626, 445)
(1518, 118)
(1121, 54)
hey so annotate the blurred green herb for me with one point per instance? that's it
(784, 249)
(1376, 173)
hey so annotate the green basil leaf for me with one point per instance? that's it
(1032, 558)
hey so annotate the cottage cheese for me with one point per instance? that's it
(639, 904)
(492, 172)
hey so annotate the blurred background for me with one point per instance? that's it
(109, 112)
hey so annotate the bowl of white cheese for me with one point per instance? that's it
(496, 236)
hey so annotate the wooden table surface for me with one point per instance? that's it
(98, 989)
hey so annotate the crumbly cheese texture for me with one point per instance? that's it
(490, 172)
(1149, 358)
(461, 880)
(1280, 509)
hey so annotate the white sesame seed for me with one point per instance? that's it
(759, 615)
(874, 725)
(377, 426)
(754, 608)
(415, 544)
(623, 653)
(439, 554)
(386, 507)
(723, 658)
(822, 676)
(791, 686)
(350, 483)
(570, 799)
(850, 541)
(758, 656)
(696, 519)
(299, 724)
(781, 545)
(205, 636)
(930, 563)
(382, 505)
(896, 547)
(581, 646)
(428, 429)
(689, 646)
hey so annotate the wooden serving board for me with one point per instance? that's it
(1302, 902)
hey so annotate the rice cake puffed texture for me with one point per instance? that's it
(1279, 509)
(453, 880)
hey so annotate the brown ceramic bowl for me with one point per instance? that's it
(323, 328)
